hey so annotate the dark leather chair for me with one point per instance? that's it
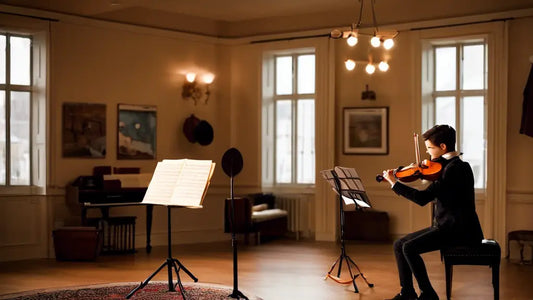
(486, 254)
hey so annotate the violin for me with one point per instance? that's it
(425, 169)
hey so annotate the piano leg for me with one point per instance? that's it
(83, 216)
(149, 212)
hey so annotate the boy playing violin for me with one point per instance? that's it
(455, 220)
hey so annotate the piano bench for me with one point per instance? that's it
(118, 233)
(486, 254)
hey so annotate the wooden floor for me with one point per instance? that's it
(278, 269)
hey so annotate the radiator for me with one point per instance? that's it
(296, 207)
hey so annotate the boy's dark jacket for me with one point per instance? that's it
(455, 212)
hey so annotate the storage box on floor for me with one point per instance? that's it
(77, 243)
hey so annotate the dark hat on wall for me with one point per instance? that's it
(203, 133)
(197, 130)
(188, 127)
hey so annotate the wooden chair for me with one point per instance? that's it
(486, 254)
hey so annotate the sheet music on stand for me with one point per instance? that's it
(351, 190)
(180, 182)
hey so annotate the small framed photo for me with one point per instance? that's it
(136, 135)
(366, 130)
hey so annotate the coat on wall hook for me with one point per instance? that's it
(368, 94)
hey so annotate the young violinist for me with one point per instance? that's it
(455, 219)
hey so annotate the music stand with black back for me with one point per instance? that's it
(232, 165)
(349, 188)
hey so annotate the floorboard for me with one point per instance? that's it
(277, 269)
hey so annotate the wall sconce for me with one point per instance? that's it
(194, 90)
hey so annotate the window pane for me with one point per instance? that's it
(445, 111)
(2, 137)
(473, 67)
(445, 69)
(283, 141)
(20, 138)
(306, 141)
(473, 137)
(2, 59)
(284, 75)
(20, 60)
(306, 74)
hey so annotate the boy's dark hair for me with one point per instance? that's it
(441, 134)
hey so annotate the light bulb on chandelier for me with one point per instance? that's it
(383, 66)
(352, 40)
(370, 69)
(375, 42)
(388, 43)
(349, 64)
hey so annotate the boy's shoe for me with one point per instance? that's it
(428, 296)
(400, 296)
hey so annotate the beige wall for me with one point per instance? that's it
(105, 63)
(519, 146)
(114, 65)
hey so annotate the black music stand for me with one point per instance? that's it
(232, 165)
(348, 185)
(171, 263)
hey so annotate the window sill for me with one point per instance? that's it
(24, 191)
(290, 189)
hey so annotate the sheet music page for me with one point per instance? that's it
(346, 185)
(350, 201)
(179, 182)
(192, 183)
(163, 182)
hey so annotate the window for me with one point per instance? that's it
(15, 110)
(459, 99)
(289, 114)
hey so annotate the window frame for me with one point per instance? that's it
(459, 94)
(269, 118)
(7, 87)
(39, 114)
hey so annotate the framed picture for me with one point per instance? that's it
(366, 130)
(84, 130)
(136, 132)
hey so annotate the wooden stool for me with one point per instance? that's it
(521, 237)
(486, 254)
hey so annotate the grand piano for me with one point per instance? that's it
(104, 191)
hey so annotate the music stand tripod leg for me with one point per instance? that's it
(361, 273)
(171, 263)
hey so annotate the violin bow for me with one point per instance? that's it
(417, 149)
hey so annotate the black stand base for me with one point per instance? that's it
(171, 264)
(353, 275)
(236, 294)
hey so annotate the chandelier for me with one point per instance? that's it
(378, 38)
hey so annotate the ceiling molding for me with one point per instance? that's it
(408, 26)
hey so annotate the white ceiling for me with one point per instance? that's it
(233, 18)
